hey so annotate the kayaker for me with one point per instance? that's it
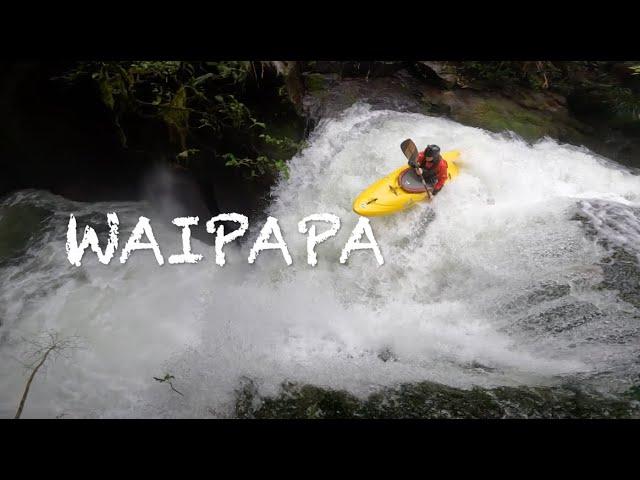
(432, 167)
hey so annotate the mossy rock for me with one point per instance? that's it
(501, 115)
(432, 400)
(295, 401)
(634, 393)
(315, 82)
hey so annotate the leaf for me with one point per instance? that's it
(187, 153)
(201, 79)
(177, 115)
(106, 92)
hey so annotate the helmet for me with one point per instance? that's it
(432, 151)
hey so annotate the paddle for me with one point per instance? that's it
(411, 152)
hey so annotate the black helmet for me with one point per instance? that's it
(432, 151)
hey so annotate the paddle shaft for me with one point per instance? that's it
(426, 189)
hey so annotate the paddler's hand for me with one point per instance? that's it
(419, 171)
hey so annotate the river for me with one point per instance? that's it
(523, 272)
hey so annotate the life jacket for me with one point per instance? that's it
(435, 172)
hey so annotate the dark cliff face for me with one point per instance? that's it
(60, 140)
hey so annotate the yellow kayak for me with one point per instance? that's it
(398, 191)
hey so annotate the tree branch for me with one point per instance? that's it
(41, 350)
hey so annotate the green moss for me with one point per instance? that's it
(500, 116)
(315, 82)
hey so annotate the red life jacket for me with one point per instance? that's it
(438, 169)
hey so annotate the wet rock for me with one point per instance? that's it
(326, 67)
(387, 354)
(622, 274)
(432, 400)
(297, 401)
(383, 69)
(367, 69)
(19, 224)
(531, 115)
(247, 399)
(439, 73)
(528, 113)
(318, 82)
(539, 294)
(479, 366)
(560, 318)
(292, 71)
(634, 392)
(398, 92)
(582, 118)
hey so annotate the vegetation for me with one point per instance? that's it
(48, 345)
(537, 75)
(203, 108)
(221, 111)
(596, 80)
(531, 74)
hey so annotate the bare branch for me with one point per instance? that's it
(48, 345)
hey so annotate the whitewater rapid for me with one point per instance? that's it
(498, 282)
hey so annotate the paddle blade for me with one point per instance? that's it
(409, 149)
(411, 152)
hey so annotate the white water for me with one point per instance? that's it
(450, 301)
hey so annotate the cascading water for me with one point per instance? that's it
(511, 277)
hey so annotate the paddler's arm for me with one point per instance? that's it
(442, 177)
(416, 164)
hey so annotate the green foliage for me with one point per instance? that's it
(623, 101)
(234, 72)
(594, 81)
(315, 82)
(536, 75)
(492, 72)
(258, 166)
(200, 104)
(285, 144)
